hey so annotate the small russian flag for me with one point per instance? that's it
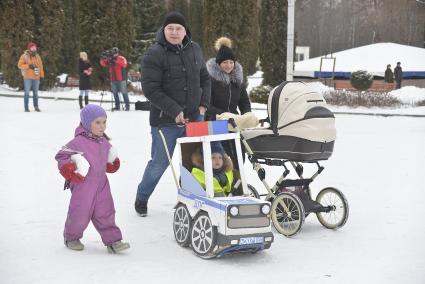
(205, 128)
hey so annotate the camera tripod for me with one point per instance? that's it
(122, 103)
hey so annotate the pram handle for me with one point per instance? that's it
(262, 121)
(166, 149)
(232, 122)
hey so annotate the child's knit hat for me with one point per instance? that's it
(89, 113)
(31, 44)
(216, 147)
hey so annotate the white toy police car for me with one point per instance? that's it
(214, 226)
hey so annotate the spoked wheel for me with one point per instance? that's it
(253, 192)
(287, 221)
(181, 225)
(338, 214)
(204, 236)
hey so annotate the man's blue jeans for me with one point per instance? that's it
(120, 86)
(159, 160)
(28, 86)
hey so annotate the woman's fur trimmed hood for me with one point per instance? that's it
(219, 75)
(198, 161)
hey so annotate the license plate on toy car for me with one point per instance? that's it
(251, 240)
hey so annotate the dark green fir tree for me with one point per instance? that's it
(48, 27)
(273, 29)
(237, 20)
(70, 37)
(16, 30)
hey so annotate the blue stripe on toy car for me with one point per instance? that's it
(239, 201)
(199, 200)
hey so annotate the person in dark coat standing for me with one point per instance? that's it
(176, 82)
(84, 70)
(229, 98)
(389, 76)
(398, 74)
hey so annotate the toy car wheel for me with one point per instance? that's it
(287, 221)
(203, 235)
(181, 225)
(253, 192)
(338, 215)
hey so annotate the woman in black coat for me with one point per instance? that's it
(229, 98)
(85, 70)
(228, 93)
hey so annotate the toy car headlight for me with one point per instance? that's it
(234, 211)
(265, 209)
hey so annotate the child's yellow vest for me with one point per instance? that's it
(219, 190)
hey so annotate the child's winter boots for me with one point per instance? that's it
(74, 245)
(118, 246)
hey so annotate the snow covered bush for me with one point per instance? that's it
(260, 94)
(361, 80)
(368, 99)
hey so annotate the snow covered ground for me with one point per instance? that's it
(377, 163)
(69, 94)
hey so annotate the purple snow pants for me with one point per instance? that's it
(94, 202)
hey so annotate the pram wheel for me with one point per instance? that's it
(253, 192)
(181, 225)
(287, 222)
(204, 236)
(334, 199)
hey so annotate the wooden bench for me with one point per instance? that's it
(377, 86)
(72, 81)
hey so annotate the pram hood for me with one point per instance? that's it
(299, 110)
(301, 127)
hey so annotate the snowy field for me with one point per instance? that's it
(378, 163)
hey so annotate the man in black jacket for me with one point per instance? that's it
(398, 75)
(177, 84)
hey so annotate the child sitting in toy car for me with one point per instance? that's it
(223, 172)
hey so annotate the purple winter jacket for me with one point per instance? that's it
(94, 149)
(91, 199)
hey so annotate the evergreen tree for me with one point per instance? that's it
(216, 23)
(105, 24)
(195, 20)
(149, 16)
(238, 20)
(125, 27)
(16, 30)
(70, 38)
(181, 6)
(248, 34)
(273, 34)
(49, 20)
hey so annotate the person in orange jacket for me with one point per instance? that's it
(32, 70)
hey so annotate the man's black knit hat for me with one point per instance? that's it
(174, 18)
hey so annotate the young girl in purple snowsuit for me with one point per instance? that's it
(84, 162)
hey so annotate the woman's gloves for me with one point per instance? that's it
(247, 120)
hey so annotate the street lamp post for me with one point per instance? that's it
(290, 41)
